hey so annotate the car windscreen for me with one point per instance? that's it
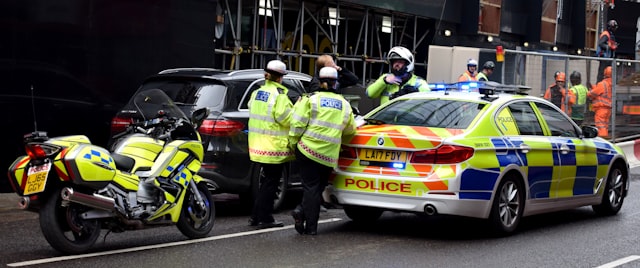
(440, 113)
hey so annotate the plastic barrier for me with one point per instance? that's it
(632, 151)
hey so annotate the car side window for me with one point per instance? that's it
(245, 100)
(293, 86)
(525, 118)
(558, 124)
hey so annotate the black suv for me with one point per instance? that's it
(224, 133)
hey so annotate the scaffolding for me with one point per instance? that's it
(297, 32)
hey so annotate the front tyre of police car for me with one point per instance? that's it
(614, 192)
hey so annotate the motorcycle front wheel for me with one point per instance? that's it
(196, 221)
(63, 227)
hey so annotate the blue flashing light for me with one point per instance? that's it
(398, 165)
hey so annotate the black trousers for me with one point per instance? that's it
(601, 66)
(263, 206)
(314, 177)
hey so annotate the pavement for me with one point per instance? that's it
(9, 201)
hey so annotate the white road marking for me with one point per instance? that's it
(141, 248)
(619, 262)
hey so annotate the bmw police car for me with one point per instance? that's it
(484, 154)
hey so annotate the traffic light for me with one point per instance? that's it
(499, 54)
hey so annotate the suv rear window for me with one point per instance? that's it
(197, 93)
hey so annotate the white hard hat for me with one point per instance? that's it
(399, 52)
(328, 73)
(277, 67)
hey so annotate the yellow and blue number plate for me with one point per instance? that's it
(37, 178)
(382, 155)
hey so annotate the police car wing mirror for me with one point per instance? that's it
(589, 132)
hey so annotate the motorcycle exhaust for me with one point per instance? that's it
(94, 201)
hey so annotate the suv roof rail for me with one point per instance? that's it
(175, 70)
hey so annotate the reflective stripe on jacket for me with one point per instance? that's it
(380, 88)
(269, 119)
(318, 125)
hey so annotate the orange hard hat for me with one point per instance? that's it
(607, 71)
(561, 77)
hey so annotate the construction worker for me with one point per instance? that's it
(600, 96)
(400, 80)
(345, 77)
(319, 124)
(580, 92)
(487, 70)
(470, 74)
(269, 118)
(558, 95)
(607, 46)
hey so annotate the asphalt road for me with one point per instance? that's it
(574, 238)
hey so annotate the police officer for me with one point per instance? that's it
(400, 80)
(601, 100)
(580, 93)
(269, 119)
(319, 124)
(487, 70)
(470, 73)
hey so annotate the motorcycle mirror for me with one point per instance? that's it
(199, 115)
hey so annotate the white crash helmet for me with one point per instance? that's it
(399, 52)
(472, 62)
(328, 73)
(276, 66)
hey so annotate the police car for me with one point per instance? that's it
(486, 151)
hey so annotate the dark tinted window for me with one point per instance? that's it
(525, 118)
(558, 124)
(198, 93)
(430, 113)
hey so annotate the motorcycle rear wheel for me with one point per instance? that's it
(63, 228)
(195, 221)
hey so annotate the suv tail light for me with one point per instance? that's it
(446, 154)
(120, 124)
(220, 127)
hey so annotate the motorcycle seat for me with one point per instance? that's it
(123, 162)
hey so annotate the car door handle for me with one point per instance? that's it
(525, 148)
(564, 149)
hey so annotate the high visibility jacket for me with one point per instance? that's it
(558, 95)
(380, 88)
(319, 124)
(467, 76)
(606, 45)
(580, 93)
(269, 120)
(482, 77)
(601, 94)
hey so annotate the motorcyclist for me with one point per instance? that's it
(471, 73)
(400, 80)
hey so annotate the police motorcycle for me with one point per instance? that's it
(150, 179)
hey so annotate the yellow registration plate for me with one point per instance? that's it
(382, 155)
(37, 178)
